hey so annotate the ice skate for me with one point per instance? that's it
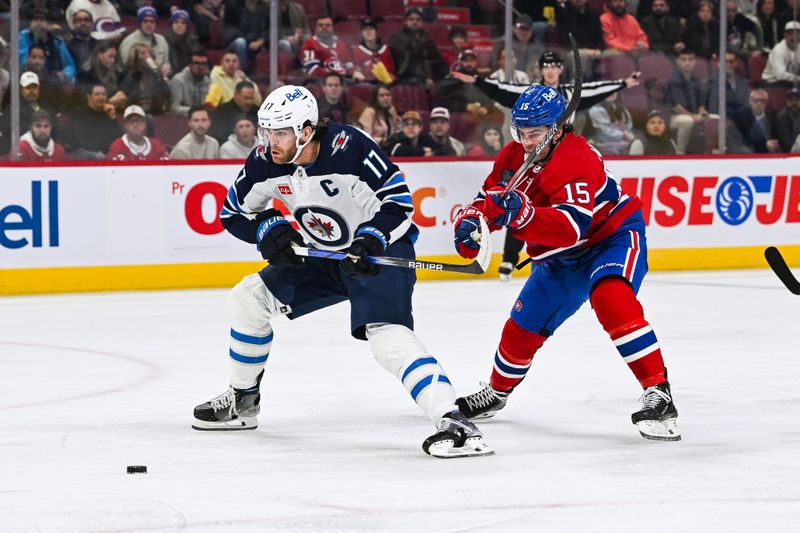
(455, 437)
(656, 419)
(505, 271)
(483, 404)
(235, 409)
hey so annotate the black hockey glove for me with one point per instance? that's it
(368, 241)
(275, 237)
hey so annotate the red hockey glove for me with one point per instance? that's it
(513, 211)
(467, 221)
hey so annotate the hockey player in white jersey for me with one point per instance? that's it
(344, 194)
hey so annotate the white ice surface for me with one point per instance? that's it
(92, 383)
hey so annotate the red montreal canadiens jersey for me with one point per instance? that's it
(577, 202)
(318, 58)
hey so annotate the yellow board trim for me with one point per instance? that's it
(215, 275)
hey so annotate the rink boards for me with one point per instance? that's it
(89, 227)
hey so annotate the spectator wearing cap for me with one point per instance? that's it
(525, 49)
(440, 132)
(411, 142)
(656, 139)
(180, 40)
(37, 144)
(415, 55)
(245, 29)
(190, 86)
(242, 141)
(134, 145)
(663, 30)
(541, 13)
(783, 67)
(787, 121)
(462, 97)
(51, 88)
(29, 101)
(92, 126)
(621, 31)
(380, 119)
(146, 19)
(224, 117)
(224, 78)
(142, 81)
(332, 105)
(577, 18)
(326, 53)
(197, 144)
(106, 21)
(81, 43)
(58, 60)
(372, 57)
(292, 26)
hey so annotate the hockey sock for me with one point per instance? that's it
(513, 356)
(622, 317)
(397, 349)
(248, 354)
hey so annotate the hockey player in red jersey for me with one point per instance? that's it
(587, 241)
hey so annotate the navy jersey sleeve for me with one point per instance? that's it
(242, 202)
(393, 218)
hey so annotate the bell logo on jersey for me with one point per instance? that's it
(285, 189)
(340, 142)
(295, 95)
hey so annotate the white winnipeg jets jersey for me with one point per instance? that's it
(350, 184)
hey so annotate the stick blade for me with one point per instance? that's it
(778, 265)
(485, 253)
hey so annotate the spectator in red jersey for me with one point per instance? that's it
(324, 52)
(37, 144)
(621, 31)
(134, 145)
(372, 57)
(459, 41)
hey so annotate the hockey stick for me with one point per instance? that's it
(478, 266)
(574, 100)
(778, 265)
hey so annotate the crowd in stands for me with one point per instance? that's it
(171, 79)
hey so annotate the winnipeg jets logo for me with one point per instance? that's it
(340, 142)
(323, 228)
(323, 225)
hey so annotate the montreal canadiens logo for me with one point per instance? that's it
(324, 225)
(734, 200)
(340, 142)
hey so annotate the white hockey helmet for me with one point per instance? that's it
(289, 106)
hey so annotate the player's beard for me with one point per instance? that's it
(283, 156)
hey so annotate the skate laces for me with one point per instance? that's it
(652, 397)
(224, 400)
(483, 398)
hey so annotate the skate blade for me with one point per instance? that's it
(238, 424)
(473, 447)
(655, 430)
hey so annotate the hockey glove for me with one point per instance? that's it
(467, 221)
(368, 241)
(513, 211)
(275, 237)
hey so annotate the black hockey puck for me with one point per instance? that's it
(137, 469)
